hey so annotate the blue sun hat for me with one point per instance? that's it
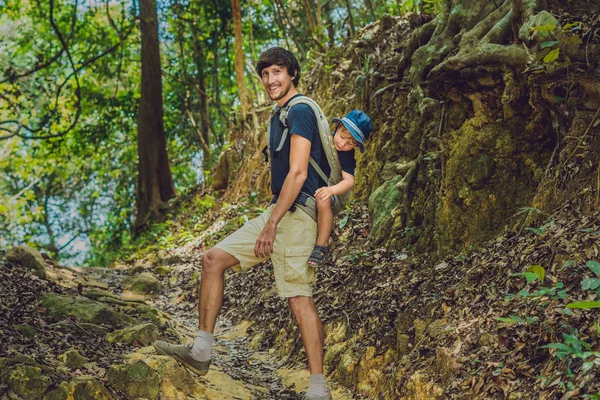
(359, 125)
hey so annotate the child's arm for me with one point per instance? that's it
(325, 192)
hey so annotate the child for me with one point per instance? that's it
(351, 131)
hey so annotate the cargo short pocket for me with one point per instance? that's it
(296, 268)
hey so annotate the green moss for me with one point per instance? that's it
(27, 381)
(84, 309)
(492, 170)
(136, 380)
(381, 204)
(72, 359)
(144, 283)
(144, 334)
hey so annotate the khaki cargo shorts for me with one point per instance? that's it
(294, 242)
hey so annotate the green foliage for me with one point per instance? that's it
(421, 6)
(575, 350)
(513, 319)
(552, 54)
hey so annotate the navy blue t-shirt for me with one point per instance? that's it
(301, 121)
(347, 161)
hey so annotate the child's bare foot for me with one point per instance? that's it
(319, 256)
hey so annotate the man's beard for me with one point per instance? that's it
(284, 91)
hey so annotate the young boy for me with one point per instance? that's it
(351, 131)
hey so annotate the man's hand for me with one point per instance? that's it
(264, 244)
(323, 193)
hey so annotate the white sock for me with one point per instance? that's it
(316, 386)
(202, 346)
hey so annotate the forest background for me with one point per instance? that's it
(93, 93)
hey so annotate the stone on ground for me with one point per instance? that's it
(143, 283)
(84, 309)
(143, 334)
(27, 258)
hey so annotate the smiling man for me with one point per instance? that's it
(284, 233)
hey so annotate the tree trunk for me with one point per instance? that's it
(155, 183)
(239, 57)
(201, 86)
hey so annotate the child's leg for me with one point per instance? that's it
(324, 221)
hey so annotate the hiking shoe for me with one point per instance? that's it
(312, 397)
(183, 354)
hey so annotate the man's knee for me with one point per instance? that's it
(212, 263)
(300, 303)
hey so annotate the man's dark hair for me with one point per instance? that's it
(280, 57)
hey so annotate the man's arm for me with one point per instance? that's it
(299, 156)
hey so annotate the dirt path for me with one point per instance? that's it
(237, 372)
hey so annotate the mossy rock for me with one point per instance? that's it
(334, 352)
(27, 381)
(347, 369)
(25, 330)
(27, 258)
(135, 380)
(175, 381)
(162, 270)
(72, 359)
(80, 388)
(156, 316)
(381, 204)
(86, 310)
(144, 283)
(82, 328)
(144, 334)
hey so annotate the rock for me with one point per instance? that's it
(420, 328)
(144, 334)
(25, 330)
(144, 283)
(27, 381)
(162, 270)
(171, 380)
(402, 343)
(445, 365)
(256, 341)
(156, 316)
(381, 203)
(420, 387)
(439, 329)
(335, 333)
(82, 328)
(135, 380)
(333, 353)
(347, 369)
(80, 388)
(27, 258)
(84, 309)
(72, 359)
(370, 371)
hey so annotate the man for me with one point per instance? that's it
(284, 232)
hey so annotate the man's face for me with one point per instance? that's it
(343, 140)
(276, 81)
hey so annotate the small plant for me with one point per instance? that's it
(513, 319)
(573, 350)
(590, 284)
(541, 230)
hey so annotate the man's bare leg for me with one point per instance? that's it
(214, 264)
(311, 330)
(197, 357)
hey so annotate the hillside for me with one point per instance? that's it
(467, 266)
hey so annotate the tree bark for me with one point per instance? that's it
(155, 183)
(239, 56)
(201, 92)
